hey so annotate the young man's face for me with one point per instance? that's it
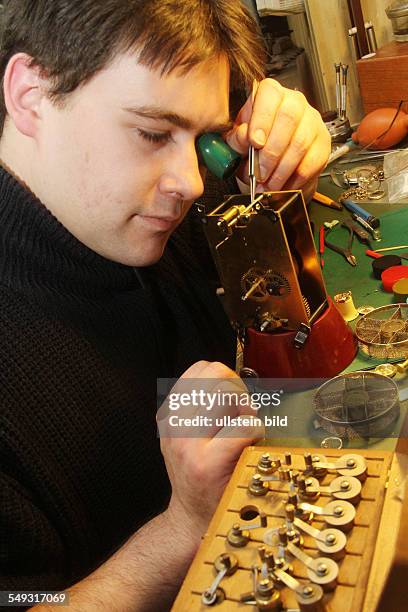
(118, 165)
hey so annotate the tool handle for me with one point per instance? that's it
(373, 254)
(355, 208)
(361, 233)
(321, 240)
(326, 201)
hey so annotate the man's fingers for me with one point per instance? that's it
(293, 143)
(254, 121)
(230, 441)
(287, 125)
(301, 142)
(311, 165)
(237, 138)
(195, 406)
(266, 108)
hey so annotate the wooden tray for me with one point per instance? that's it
(370, 543)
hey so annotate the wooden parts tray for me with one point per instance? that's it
(370, 543)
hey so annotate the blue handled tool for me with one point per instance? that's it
(356, 209)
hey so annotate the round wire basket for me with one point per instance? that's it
(383, 333)
(358, 404)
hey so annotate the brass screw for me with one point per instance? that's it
(322, 569)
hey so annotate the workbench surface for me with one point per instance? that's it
(341, 276)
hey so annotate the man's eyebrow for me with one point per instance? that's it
(158, 114)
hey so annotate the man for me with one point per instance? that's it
(101, 288)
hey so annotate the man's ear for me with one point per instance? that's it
(23, 92)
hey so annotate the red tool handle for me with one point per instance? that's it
(373, 254)
(321, 240)
(321, 245)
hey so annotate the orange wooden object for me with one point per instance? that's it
(384, 78)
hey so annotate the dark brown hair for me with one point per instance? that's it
(71, 40)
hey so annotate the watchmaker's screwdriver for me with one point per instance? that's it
(253, 161)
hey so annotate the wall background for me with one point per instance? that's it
(323, 31)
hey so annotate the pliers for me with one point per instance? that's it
(345, 251)
(353, 229)
(362, 235)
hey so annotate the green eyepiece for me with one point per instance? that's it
(217, 155)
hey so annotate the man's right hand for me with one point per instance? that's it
(200, 464)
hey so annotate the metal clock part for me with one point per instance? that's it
(322, 570)
(337, 513)
(309, 595)
(346, 487)
(266, 465)
(264, 596)
(332, 542)
(237, 536)
(352, 465)
(348, 465)
(308, 488)
(224, 565)
(310, 598)
(313, 465)
(340, 513)
(329, 541)
(256, 486)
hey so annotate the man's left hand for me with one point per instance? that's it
(294, 144)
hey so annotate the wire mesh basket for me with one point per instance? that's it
(383, 333)
(358, 404)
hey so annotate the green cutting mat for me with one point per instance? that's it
(340, 276)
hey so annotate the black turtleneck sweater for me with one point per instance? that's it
(82, 343)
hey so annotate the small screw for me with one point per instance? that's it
(322, 569)
(308, 591)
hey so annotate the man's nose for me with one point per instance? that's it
(183, 175)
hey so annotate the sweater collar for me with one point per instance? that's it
(36, 249)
